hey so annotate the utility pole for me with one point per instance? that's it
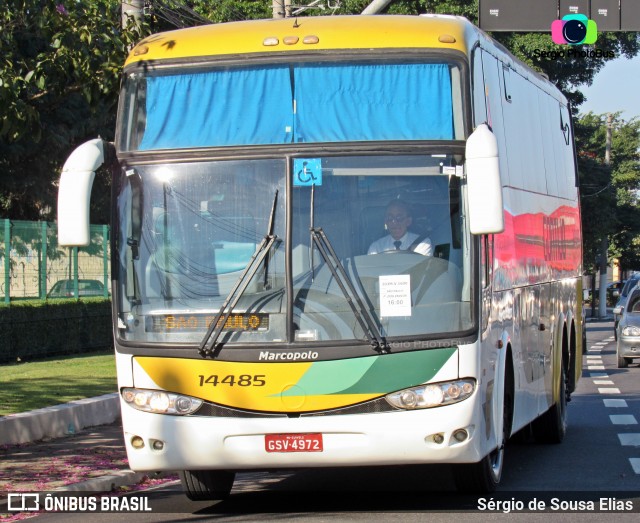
(131, 9)
(604, 243)
(281, 8)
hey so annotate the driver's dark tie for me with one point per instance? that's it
(397, 243)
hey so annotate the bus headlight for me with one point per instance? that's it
(160, 402)
(432, 394)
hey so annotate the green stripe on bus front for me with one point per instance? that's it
(372, 375)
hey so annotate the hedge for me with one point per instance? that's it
(33, 329)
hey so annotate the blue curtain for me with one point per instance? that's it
(217, 108)
(373, 102)
(328, 103)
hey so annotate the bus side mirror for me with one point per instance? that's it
(484, 189)
(74, 193)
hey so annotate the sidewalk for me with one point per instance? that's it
(590, 319)
(91, 459)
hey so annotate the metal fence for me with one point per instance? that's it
(33, 266)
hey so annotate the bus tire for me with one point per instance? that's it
(204, 485)
(551, 427)
(483, 476)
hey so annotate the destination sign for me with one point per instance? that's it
(201, 322)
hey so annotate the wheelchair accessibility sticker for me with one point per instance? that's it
(307, 171)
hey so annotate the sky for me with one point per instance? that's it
(615, 88)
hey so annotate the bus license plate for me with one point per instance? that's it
(293, 442)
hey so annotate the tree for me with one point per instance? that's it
(59, 73)
(609, 194)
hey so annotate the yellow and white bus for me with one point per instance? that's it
(256, 327)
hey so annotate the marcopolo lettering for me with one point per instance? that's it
(287, 356)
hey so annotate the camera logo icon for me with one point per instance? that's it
(574, 29)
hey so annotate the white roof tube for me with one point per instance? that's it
(74, 193)
(375, 7)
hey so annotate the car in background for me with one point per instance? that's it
(613, 291)
(628, 330)
(65, 289)
(618, 309)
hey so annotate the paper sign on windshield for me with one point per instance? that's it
(395, 295)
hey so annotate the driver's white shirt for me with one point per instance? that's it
(387, 244)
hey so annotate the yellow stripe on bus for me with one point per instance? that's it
(270, 387)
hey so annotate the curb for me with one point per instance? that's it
(59, 420)
(111, 482)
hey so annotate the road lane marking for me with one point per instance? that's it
(610, 390)
(623, 419)
(629, 440)
(603, 382)
(599, 375)
(615, 403)
(595, 367)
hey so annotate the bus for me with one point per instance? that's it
(255, 165)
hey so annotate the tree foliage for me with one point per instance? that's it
(59, 74)
(609, 193)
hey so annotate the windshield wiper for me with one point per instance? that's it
(360, 311)
(208, 344)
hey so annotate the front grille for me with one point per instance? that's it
(369, 407)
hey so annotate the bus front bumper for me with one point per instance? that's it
(167, 443)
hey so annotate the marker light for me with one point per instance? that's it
(140, 50)
(160, 402)
(447, 39)
(270, 41)
(432, 394)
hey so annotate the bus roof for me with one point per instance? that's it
(306, 34)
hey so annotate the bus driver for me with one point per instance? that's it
(397, 220)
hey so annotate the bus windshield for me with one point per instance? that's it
(392, 225)
(290, 103)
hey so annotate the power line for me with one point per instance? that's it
(176, 13)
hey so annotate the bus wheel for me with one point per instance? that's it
(480, 477)
(551, 427)
(203, 485)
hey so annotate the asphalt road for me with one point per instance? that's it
(600, 458)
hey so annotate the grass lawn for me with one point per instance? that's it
(28, 386)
